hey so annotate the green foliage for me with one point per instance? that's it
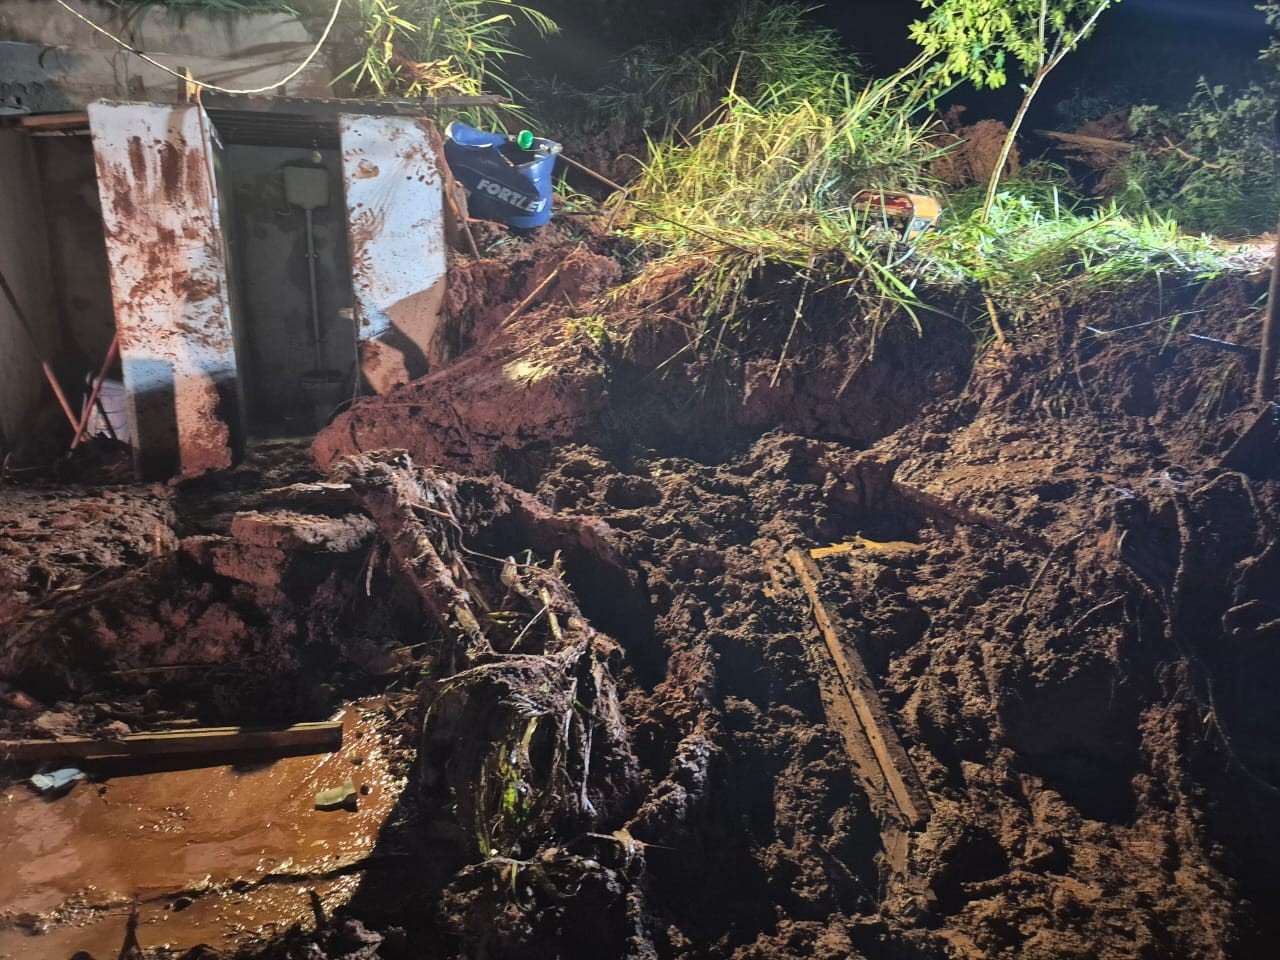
(1039, 249)
(1271, 53)
(766, 190)
(973, 40)
(970, 40)
(424, 48)
(759, 200)
(760, 46)
(1213, 166)
(664, 87)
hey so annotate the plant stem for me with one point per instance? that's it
(1065, 45)
(1007, 147)
(1270, 333)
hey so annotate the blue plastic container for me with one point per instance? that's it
(503, 181)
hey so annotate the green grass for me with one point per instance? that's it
(765, 190)
(427, 48)
(756, 203)
(1040, 249)
(664, 88)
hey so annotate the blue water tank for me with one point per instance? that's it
(504, 181)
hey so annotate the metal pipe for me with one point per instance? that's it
(35, 345)
(94, 396)
(315, 301)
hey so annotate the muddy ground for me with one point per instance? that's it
(1030, 713)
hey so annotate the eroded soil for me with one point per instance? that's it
(639, 738)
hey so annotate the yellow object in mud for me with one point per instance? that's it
(885, 548)
(920, 213)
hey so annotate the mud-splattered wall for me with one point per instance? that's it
(395, 196)
(267, 238)
(168, 285)
(24, 260)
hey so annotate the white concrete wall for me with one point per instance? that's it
(24, 261)
(53, 61)
(169, 285)
(395, 202)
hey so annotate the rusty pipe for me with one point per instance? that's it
(35, 345)
(93, 394)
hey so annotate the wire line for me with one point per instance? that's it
(333, 17)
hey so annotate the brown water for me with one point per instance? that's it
(215, 855)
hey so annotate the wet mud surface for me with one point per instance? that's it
(885, 654)
(214, 855)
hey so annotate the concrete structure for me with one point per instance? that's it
(50, 61)
(205, 261)
(395, 200)
(168, 261)
(171, 227)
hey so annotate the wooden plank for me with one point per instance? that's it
(322, 737)
(55, 121)
(899, 773)
(1093, 143)
(330, 108)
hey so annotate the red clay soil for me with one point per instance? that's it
(1058, 582)
(1068, 637)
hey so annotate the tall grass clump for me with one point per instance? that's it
(666, 87)
(766, 187)
(759, 46)
(1040, 249)
(427, 48)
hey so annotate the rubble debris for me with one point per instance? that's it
(620, 740)
(57, 781)
(57, 540)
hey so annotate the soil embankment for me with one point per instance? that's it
(881, 653)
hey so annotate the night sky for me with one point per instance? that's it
(1144, 51)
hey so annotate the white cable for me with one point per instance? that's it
(210, 86)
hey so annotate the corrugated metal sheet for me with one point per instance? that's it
(169, 284)
(391, 172)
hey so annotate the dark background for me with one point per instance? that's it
(1144, 51)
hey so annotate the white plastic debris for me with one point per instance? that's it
(57, 780)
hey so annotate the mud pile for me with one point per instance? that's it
(877, 653)
(1055, 575)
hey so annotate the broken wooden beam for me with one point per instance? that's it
(900, 775)
(77, 120)
(1093, 143)
(322, 737)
